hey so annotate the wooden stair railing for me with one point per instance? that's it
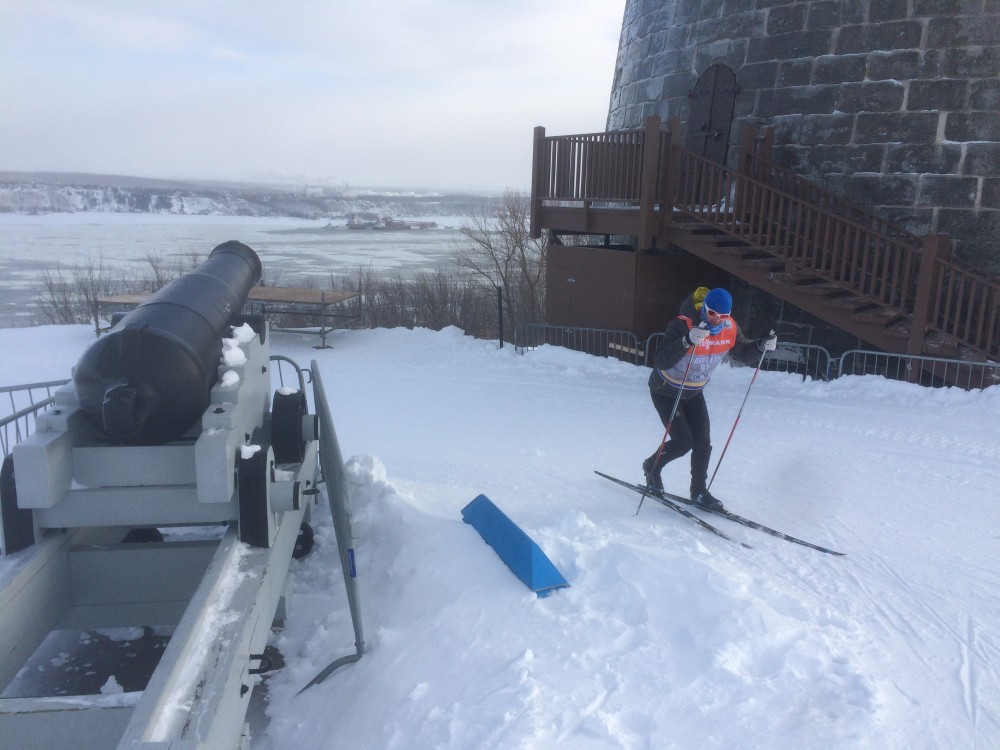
(773, 229)
(842, 250)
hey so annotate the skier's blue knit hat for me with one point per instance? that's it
(720, 301)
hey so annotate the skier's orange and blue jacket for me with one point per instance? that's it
(673, 358)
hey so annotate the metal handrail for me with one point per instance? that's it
(339, 495)
(21, 418)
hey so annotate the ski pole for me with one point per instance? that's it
(666, 433)
(745, 397)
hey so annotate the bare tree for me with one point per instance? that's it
(432, 299)
(72, 295)
(162, 271)
(57, 298)
(74, 299)
(498, 250)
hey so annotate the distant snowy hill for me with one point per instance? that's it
(52, 193)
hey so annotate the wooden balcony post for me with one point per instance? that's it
(746, 149)
(744, 169)
(647, 186)
(669, 174)
(935, 246)
(764, 145)
(538, 174)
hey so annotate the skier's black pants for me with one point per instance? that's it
(690, 431)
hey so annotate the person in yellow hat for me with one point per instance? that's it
(694, 343)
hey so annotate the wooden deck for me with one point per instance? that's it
(274, 294)
(318, 304)
(770, 228)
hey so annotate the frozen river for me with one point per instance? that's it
(290, 249)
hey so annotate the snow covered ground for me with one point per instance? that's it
(668, 637)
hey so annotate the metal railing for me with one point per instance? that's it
(807, 360)
(929, 371)
(19, 405)
(603, 342)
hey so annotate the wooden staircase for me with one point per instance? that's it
(882, 326)
(771, 228)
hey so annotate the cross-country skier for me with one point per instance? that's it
(693, 345)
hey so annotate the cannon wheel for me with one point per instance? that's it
(252, 476)
(304, 542)
(18, 524)
(287, 412)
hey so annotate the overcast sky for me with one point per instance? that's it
(373, 93)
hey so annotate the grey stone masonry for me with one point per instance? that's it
(894, 102)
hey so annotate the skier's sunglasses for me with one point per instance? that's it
(713, 316)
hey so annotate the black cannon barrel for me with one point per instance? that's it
(149, 379)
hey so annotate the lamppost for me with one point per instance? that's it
(500, 313)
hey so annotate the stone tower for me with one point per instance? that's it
(892, 103)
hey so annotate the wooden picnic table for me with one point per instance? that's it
(266, 300)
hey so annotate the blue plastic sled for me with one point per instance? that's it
(515, 548)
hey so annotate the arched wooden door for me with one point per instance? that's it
(710, 118)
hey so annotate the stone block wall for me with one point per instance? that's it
(894, 103)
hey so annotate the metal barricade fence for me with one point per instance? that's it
(928, 371)
(601, 342)
(807, 360)
(19, 404)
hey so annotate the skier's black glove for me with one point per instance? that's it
(695, 336)
(768, 343)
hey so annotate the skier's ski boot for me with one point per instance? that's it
(653, 480)
(705, 499)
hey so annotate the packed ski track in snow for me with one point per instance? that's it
(668, 636)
